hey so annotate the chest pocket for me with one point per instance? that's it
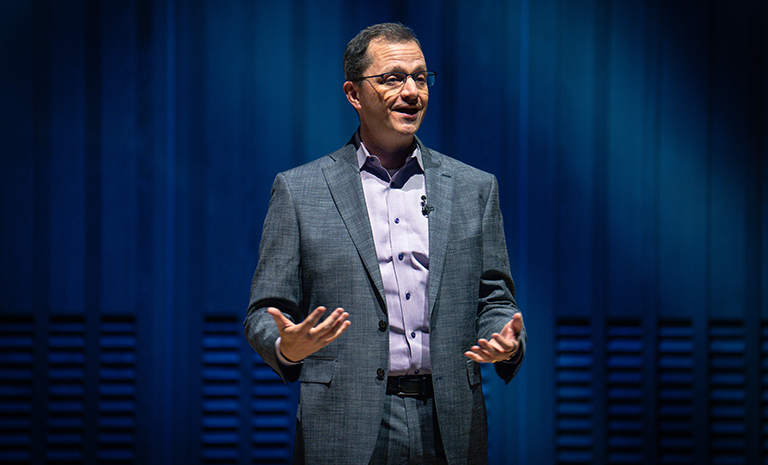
(465, 243)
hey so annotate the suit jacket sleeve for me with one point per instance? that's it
(277, 280)
(496, 302)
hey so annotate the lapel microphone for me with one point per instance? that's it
(425, 208)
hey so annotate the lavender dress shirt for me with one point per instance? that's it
(401, 235)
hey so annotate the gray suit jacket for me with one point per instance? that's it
(317, 249)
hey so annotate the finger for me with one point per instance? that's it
(499, 348)
(330, 333)
(330, 320)
(509, 352)
(478, 355)
(473, 356)
(338, 322)
(339, 331)
(504, 344)
(313, 318)
(481, 349)
(492, 347)
(330, 324)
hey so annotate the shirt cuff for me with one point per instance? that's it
(280, 356)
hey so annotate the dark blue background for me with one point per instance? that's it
(139, 140)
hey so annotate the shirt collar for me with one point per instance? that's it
(363, 153)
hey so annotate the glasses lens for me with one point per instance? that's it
(423, 79)
(393, 79)
(396, 80)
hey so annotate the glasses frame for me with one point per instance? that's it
(430, 75)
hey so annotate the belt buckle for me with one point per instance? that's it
(400, 383)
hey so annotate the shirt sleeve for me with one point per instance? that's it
(282, 358)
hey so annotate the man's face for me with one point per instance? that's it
(392, 116)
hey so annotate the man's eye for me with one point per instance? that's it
(420, 78)
(393, 79)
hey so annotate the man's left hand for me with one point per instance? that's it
(502, 346)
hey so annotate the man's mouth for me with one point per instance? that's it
(408, 110)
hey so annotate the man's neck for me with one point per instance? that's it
(391, 156)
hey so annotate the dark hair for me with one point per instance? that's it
(356, 58)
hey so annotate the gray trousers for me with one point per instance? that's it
(408, 434)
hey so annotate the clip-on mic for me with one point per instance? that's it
(426, 209)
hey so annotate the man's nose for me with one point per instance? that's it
(409, 87)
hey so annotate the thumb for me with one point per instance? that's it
(280, 319)
(517, 323)
(513, 327)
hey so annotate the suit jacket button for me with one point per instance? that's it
(380, 373)
(382, 325)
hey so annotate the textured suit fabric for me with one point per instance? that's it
(317, 250)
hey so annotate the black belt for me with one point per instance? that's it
(410, 386)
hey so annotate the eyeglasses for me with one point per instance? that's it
(396, 80)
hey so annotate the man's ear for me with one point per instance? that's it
(351, 91)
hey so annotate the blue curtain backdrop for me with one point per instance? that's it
(139, 140)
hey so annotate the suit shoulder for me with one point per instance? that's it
(311, 168)
(460, 169)
(315, 167)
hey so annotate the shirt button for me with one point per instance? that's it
(382, 325)
(407, 296)
(400, 257)
(397, 220)
(380, 373)
(413, 335)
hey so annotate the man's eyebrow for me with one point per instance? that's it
(400, 69)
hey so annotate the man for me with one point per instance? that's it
(407, 245)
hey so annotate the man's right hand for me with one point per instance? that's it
(298, 341)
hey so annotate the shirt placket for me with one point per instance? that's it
(405, 295)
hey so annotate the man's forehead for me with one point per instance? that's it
(384, 53)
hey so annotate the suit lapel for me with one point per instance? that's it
(440, 196)
(343, 179)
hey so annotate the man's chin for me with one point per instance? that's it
(408, 129)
